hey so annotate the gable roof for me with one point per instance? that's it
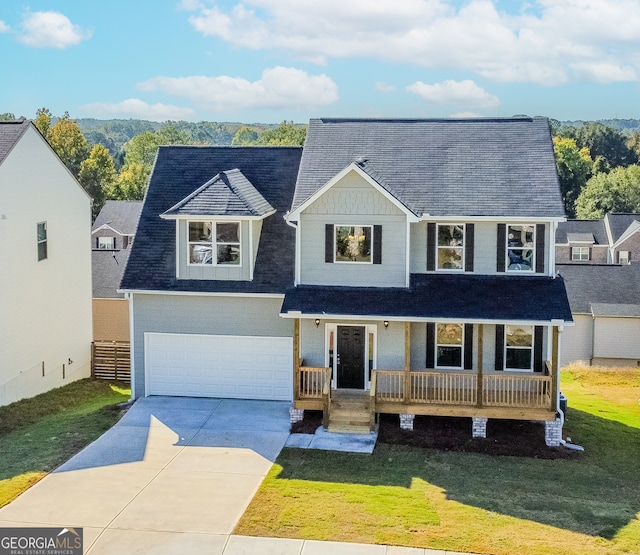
(582, 230)
(457, 167)
(180, 170)
(10, 133)
(229, 193)
(589, 284)
(120, 215)
(619, 223)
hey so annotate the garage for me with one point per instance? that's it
(238, 367)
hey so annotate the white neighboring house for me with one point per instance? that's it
(45, 280)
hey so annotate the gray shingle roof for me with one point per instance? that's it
(619, 223)
(180, 170)
(120, 215)
(591, 228)
(462, 167)
(435, 296)
(108, 267)
(589, 284)
(10, 133)
(229, 193)
(616, 310)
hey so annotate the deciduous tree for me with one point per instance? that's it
(69, 143)
(244, 136)
(97, 176)
(285, 134)
(574, 167)
(616, 191)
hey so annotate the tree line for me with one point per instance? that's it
(598, 164)
(124, 175)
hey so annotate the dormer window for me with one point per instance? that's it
(106, 243)
(214, 243)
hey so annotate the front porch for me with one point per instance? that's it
(471, 393)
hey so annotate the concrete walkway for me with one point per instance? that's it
(173, 476)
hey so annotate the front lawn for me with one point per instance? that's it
(39, 434)
(584, 504)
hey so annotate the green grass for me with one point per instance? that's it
(39, 434)
(472, 502)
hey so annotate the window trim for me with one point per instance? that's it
(533, 249)
(530, 348)
(462, 248)
(335, 245)
(42, 242)
(214, 244)
(580, 250)
(627, 257)
(436, 366)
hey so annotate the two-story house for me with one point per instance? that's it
(613, 240)
(45, 280)
(413, 271)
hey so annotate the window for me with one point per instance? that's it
(107, 243)
(518, 347)
(353, 243)
(449, 345)
(42, 240)
(216, 243)
(580, 254)
(520, 247)
(451, 247)
(623, 257)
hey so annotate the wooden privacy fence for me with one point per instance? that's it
(111, 360)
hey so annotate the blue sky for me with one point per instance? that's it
(274, 60)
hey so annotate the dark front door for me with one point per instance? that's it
(350, 361)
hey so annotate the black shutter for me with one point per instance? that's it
(537, 349)
(502, 245)
(468, 247)
(499, 347)
(540, 229)
(468, 346)
(431, 344)
(431, 247)
(377, 244)
(328, 243)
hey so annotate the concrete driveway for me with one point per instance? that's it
(173, 476)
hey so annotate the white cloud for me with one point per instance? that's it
(547, 42)
(278, 88)
(384, 87)
(135, 108)
(457, 93)
(4, 28)
(51, 30)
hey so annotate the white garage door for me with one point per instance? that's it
(219, 366)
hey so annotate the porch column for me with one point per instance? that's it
(555, 368)
(480, 386)
(296, 359)
(407, 362)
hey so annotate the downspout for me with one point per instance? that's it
(566, 443)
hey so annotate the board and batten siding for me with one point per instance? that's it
(204, 315)
(353, 201)
(46, 305)
(240, 272)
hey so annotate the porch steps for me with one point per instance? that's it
(349, 412)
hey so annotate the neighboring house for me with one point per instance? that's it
(112, 235)
(45, 282)
(414, 270)
(612, 240)
(605, 303)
